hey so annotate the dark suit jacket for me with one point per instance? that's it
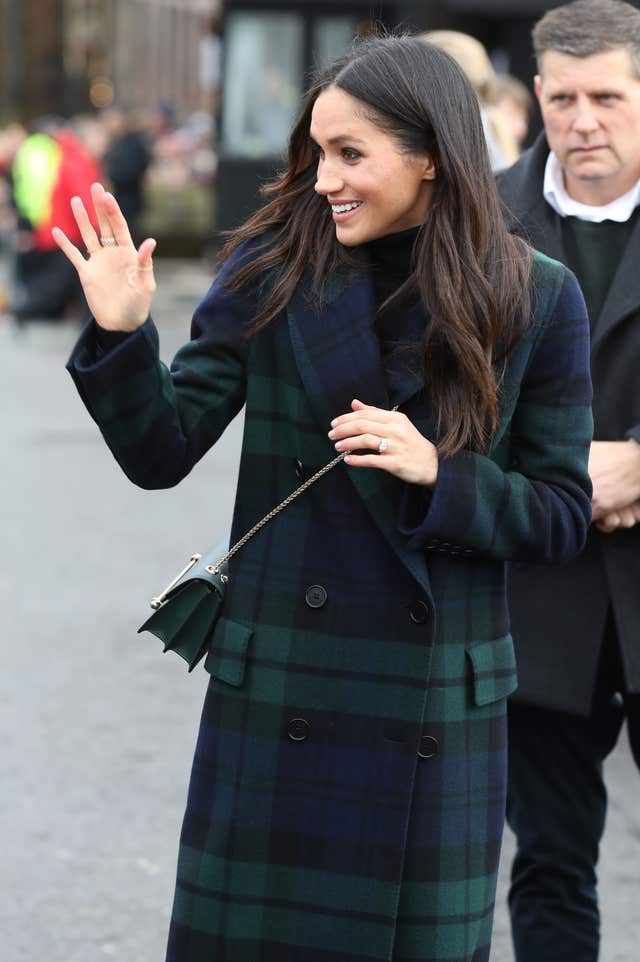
(558, 612)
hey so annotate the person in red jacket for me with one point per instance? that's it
(50, 167)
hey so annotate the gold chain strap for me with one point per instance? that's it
(214, 569)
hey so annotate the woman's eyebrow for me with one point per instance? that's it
(339, 139)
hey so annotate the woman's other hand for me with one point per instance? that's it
(407, 453)
(117, 279)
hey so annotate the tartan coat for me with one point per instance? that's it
(348, 787)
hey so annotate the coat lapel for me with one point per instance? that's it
(338, 357)
(623, 297)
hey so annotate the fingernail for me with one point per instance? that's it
(334, 422)
(338, 446)
(332, 434)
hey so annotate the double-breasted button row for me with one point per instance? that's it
(299, 729)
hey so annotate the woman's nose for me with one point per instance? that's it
(328, 180)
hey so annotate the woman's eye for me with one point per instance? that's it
(350, 154)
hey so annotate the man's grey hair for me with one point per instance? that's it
(586, 27)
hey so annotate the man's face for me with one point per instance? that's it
(591, 112)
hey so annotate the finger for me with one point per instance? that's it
(359, 443)
(145, 253)
(85, 226)
(609, 522)
(627, 519)
(354, 428)
(68, 248)
(367, 461)
(117, 224)
(374, 414)
(97, 196)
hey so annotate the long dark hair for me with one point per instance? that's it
(471, 274)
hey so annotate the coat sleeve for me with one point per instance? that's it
(538, 508)
(158, 422)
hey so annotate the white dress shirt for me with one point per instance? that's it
(557, 197)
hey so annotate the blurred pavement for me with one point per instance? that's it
(98, 727)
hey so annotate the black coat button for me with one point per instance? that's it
(315, 596)
(419, 612)
(298, 729)
(427, 746)
(300, 472)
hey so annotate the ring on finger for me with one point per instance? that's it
(108, 242)
(382, 447)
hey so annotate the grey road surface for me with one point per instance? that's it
(98, 726)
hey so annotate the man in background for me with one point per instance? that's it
(577, 626)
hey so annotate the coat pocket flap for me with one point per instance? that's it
(494, 669)
(227, 654)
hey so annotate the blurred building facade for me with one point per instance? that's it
(68, 56)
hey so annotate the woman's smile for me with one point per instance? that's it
(343, 211)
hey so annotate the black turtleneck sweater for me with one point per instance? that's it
(399, 327)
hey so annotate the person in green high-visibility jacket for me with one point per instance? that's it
(49, 168)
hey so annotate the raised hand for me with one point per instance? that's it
(117, 279)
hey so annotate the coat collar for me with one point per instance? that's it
(529, 214)
(338, 357)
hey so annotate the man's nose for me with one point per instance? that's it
(585, 120)
(328, 180)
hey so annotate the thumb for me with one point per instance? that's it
(357, 405)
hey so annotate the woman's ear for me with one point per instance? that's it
(429, 172)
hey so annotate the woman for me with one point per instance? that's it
(347, 793)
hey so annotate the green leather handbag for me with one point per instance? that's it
(185, 613)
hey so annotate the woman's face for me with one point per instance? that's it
(373, 187)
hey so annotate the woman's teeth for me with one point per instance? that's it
(343, 208)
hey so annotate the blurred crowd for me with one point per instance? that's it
(160, 170)
(145, 159)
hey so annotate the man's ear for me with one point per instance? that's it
(537, 86)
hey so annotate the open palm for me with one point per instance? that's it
(117, 280)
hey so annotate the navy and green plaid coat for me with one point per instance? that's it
(347, 794)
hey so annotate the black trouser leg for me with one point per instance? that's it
(556, 807)
(632, 711)
(50, 284)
